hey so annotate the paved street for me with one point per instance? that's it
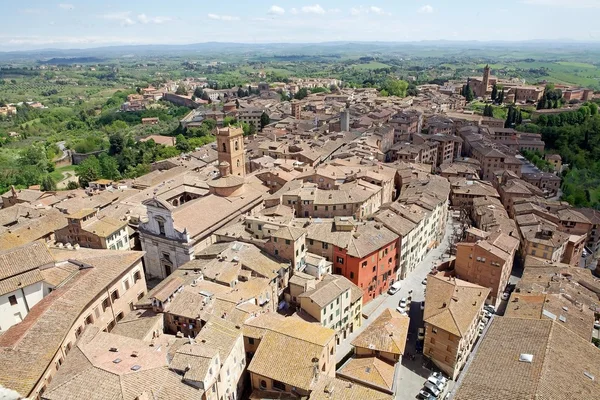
(411, 374)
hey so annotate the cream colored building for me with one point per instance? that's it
(98, 289)
(334, 302)
(453, 310)
(384, 338)
(288, 355)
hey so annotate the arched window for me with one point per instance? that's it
(224, 148)
(238, 163)
(236, 145)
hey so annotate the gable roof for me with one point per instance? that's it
(564, 366)
(387, 333)
(452, 304)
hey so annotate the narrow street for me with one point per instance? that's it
(410, 374)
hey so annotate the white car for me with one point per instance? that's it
(439, 376)
(437, 382)
(424, 282)
(401, 310)
(403, 303)
(421, 334)
(394, 288)
(505, 296)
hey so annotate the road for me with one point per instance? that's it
(410, 374)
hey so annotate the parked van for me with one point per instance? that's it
(394, 288)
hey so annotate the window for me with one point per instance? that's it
(224, 148)
(311, 242)
(137, 276)
(105, 304)
(340, 260)
(120, 316)
(12, 300)
(351, 276)
(161, 227)
(126, 284)
(364, 264)
(250, 340)
(432, 340)
(279, 385)
(114, 295)
(263, 384)
(325, 245)
(140, 295)
(89, 320)
(287, 242)
(434, 330)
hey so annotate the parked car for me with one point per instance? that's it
(505, 296)
(425, 395)
(401, 310)
(489, 308)
(597, 324)
(432, 388)
(395, 288)
(439, 376)
(419, 347)
(421, 334)
(424, 281)
(438, 383)
(402, 303)
(422, 305)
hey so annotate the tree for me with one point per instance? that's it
(395, 87)
(240, 92)
(181, 90)
(264, 120)
(229, 121)
(88, 171)
(469, 95)
(198, 92)
(48, 184)
(116, 144)
(519, 118)
(488, 111)
(109, 167)
(509, 118)
(182, 144)
(302, 93)
(501, 97)
(205, 96)
(494, 92)
(72, 185)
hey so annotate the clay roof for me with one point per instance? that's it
(89, 372)
(452, 304)
(370, 370)
(387, 333)
(330, 288)
(329, 388)
(563, 366)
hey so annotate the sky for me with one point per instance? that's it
(36, 24)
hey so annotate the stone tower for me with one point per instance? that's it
(486, 80)
(230, 145)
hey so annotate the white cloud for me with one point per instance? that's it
(316, 9)
(565, 4)
(66, 6)
(276, 10)
(31, 10)
(294, 11)
(368, 10)
(426, 9)
(123, 17)
(144, 19)
(223, 17)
